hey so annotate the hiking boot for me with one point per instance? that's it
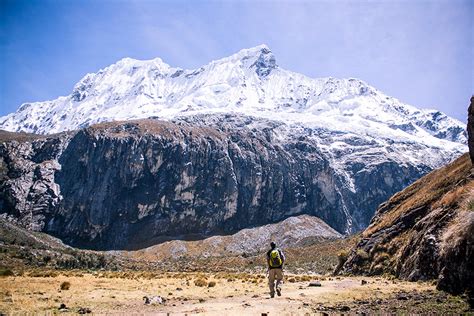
(278, 292)
(272, 295)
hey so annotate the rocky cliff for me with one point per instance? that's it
(470, 129)
(134, 184)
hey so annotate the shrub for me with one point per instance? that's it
(65, 285)
(4, 272)
(200, 282)
(43, 274)
(362, 254)
(211, 284)
(382, 257)
(342, 256)
(470, 205)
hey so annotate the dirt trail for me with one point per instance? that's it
(232, 295)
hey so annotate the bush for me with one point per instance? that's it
(43, 274)
(342, 256)
(200, 282)
(211, 284)
(65, 285)
(470, 205)
(4, 272)
(363, 255)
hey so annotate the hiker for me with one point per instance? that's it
(275, 260)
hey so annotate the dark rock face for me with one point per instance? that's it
(470, 129)
(131, 185)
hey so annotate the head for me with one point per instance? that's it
(273, 245)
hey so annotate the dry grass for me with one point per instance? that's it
(467, 203)
(19, 137)
(104, 295)
(463, 195)
(463, 223)
(120, 129)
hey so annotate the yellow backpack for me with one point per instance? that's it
(275, 259)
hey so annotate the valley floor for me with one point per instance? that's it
(217, 294)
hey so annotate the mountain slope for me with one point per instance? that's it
(424, 232)
(25, 249)
(289, 233)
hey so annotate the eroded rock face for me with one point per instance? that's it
(470, 129)
(28, 192)
(134, 184)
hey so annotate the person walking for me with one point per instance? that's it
(275, 260)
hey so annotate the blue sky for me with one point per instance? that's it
(420, 52)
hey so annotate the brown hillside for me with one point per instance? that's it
(424, 232)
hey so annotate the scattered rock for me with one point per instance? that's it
(63, 307)
(363, 282)
(402, 297)
(84, 310)
(154, 300)
(344, 308)
(315, 283)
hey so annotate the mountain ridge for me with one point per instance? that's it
(248, 82)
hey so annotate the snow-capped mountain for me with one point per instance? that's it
(248, 82)
(237, 143)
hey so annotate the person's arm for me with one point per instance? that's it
(267, 260)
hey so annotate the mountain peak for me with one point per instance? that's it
(260, 58)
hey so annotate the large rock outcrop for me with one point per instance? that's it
(133, 184)
(470, 129)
